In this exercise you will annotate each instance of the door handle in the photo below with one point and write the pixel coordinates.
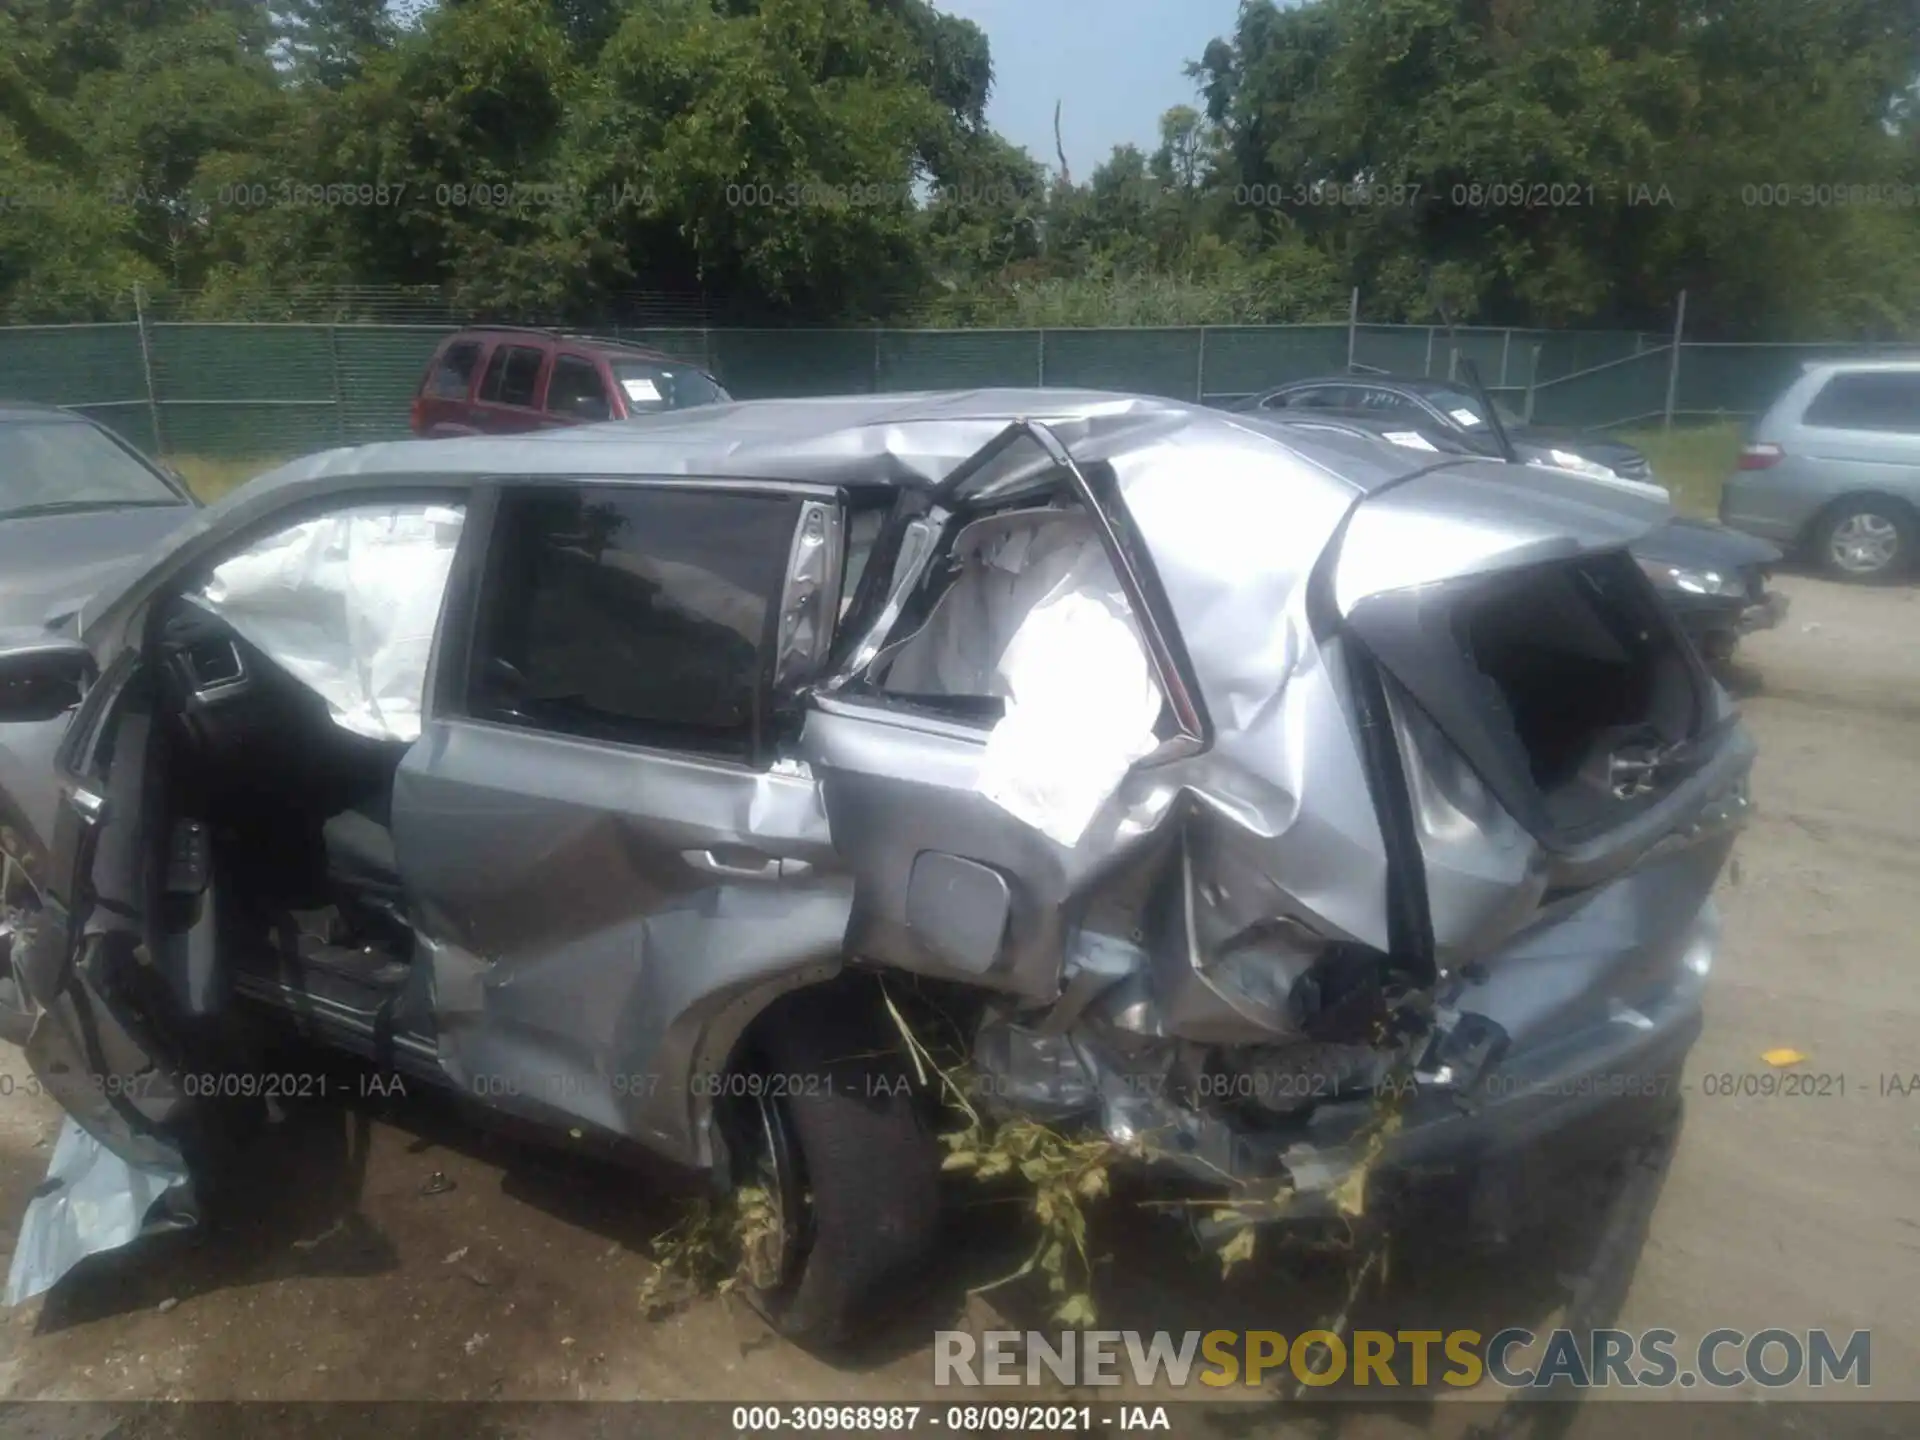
(751, 865)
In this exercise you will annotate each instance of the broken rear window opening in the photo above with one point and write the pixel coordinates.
(1594, 684)
(1026, 628)
(1564, 685)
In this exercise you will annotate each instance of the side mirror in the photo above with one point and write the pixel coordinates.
(42, 680)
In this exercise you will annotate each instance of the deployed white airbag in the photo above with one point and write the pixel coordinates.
(347, 604)
(1038, 617)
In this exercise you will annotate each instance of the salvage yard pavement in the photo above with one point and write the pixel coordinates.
(387, 1250)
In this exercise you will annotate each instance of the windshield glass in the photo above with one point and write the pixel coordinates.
(1467, 410)
(47, 466)
(652, 386)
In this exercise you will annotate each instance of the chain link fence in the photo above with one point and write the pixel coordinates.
(249, 389)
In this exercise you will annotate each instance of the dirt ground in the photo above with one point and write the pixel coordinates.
(342, 1278)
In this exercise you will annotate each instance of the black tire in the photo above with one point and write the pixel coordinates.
(868, 1162)
(1874, 513)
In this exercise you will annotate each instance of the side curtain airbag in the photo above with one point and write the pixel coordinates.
(347, 604)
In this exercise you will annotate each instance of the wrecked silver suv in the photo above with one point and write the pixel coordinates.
(1217, 773)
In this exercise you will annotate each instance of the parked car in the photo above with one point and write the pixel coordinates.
(649, 783)
(1717, 580)
(504, 380)
(1832, 469)
(76, 503)
(1450, 408)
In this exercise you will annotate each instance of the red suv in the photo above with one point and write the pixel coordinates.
(500, 380)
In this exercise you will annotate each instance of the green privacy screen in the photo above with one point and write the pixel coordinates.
(247, 391)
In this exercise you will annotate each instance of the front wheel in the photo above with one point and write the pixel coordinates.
(838, 1150)
(1865, 539)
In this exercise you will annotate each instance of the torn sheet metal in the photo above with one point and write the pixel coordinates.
(91, 1201)
(1038, 618)
(347, 605)
(811, 601)
(594, 915)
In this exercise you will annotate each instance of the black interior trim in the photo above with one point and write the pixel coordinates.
(1409, 911)
(1421, 638)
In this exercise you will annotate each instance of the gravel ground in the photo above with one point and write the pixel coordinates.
(343, 1280)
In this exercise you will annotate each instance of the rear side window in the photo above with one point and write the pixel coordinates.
(452, 374)
(1867, 400)
(575, 389)
(511, 375)
(1319, 397)
(635, 615)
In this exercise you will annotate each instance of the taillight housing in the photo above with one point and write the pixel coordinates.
(419, 411)
(1762, 455)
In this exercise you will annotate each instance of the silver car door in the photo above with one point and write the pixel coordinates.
(609, 867)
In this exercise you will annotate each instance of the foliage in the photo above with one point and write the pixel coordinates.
(710, 1249)
(1065, 1175)
(1692, 461)
(328, 42)
(212, 479)
(1582, 163)
(1527, 162)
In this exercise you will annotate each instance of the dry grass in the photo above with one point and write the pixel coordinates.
(211, 478)
(1692, 461)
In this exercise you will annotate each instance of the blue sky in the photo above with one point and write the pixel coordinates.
(1114, 65)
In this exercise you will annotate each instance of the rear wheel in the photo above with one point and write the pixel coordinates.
(837, 1143)
(1865, 538)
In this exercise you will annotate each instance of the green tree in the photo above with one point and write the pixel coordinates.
(330, 41)
(115, 118)
(1577, 162)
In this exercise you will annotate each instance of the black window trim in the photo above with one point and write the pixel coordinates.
(451, 670)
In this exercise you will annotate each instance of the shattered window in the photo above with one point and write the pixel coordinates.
(633, 615)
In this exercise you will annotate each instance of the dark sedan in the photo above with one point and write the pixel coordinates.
(1713, 578)
(1451, 409)
(76, 504)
